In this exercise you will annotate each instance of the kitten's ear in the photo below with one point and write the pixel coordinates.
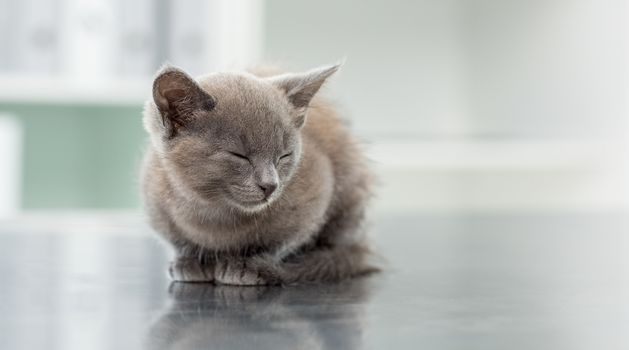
(300, 88)
(178, 97)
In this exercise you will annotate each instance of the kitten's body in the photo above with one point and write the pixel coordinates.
(311, 229)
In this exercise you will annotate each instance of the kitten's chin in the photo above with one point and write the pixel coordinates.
(256, 208)
(250, 207)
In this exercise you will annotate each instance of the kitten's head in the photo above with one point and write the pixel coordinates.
(231, 137)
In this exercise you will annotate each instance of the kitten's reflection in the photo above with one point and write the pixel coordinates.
(306, 317)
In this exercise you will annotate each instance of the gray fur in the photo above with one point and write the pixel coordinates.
(247, 190)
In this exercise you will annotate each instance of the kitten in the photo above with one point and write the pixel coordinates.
(253, 179)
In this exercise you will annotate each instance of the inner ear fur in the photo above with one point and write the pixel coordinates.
(177, 97)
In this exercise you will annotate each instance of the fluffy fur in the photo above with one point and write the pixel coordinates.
(254, 180)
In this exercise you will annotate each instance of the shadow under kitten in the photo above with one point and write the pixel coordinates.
(203, 315)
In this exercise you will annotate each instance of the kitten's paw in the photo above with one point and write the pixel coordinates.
(189, 270)
(237, 272)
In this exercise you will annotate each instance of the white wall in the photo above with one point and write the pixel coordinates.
(479, 68)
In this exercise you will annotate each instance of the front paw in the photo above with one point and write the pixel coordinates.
(238, 272)
(190, 270)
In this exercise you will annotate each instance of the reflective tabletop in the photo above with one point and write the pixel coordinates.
(511, 281)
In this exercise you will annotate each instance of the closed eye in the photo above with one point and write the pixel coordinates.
(238, 155)
(286, 155)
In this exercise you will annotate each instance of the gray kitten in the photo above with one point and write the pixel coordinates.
(253, 179)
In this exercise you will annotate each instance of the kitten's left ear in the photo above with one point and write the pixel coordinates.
(177, 96)
(300, 88)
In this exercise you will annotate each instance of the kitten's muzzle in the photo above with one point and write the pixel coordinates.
(266, 178)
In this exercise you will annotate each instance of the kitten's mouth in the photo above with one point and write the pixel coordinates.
(246, 203)
(254, 203)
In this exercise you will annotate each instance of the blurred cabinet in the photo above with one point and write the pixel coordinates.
(89, 51)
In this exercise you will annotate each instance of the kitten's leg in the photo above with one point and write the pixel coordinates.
(338, 253)
(321, 264)
(190, 269)
(190, 263)
(340, 249)
(195, 265)
(329, 264)
(240, 271)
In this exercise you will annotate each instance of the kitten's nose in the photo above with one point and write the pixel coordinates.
(268, 189)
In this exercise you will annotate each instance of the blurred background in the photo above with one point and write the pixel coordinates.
(464, 105)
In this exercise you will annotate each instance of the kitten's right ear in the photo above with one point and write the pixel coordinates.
(300, 88)
(177, 97)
